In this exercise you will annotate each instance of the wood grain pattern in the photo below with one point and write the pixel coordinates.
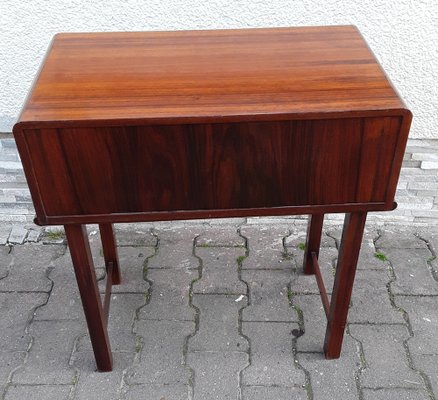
(221, 75)
(124, 170)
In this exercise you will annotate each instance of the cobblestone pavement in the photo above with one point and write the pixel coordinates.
(220, 311)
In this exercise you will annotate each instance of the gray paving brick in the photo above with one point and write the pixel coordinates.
(5, 261)
(136, 236)
(370, 299)
(9, 362)
(315, 322)
(28, 272)
(64, 301)
(385, 355)
(394, 394)
(428, 364)
(120, 323)
(333, 379)
(272, 362)
(423, 317)
(220, 236)
(161, 359)
(412, 272)
(38, 392)
(307, 283)
(297, 239)
(49, 356)
(17, 235)
(399, 238)
(218, 324)
(132, 264)
(157, 392)
(5, 231)
(219, 271)
(170, 295)
(16, 311)
(217, 374)
(265, 244)
(273, 393)
(92, 384)
(175, 249)
(268, 296)
(33, 235)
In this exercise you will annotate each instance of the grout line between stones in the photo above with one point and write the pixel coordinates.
(432, 270)
(124, 386)
(392, 279)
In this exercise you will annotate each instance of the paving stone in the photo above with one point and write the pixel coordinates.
(273, 393)
(221, 236)
(29, 270)
(5, 231)
(16, 311)
(175, 250)
(6, 260)
(297, 239)
(132, 265)
(412, 272)
(39, 392)
(218, 324)
(423, 317)
(315, 322)
(18, 234)
(370, 299)
(428, 364)
(92, 384)
(33, 235)
(306, 284)
(170, 295)
(64, 301)
(265, 245)
(384, 351)
(219, 271)
(135, 235)
(49, 356)
(9, 362)
(157, 392)
(399, 238)
(333, 379)
(268, 295)
(161, 359)
(394, 394)
(217, 374)
(123, 309)
(272, 362)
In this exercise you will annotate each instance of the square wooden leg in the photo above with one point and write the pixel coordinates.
(345, 272)
(110, 251)
(313, 241)
(86, 277)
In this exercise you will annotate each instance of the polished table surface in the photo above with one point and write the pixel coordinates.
(143, 126)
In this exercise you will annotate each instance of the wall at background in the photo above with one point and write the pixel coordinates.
(403, 34)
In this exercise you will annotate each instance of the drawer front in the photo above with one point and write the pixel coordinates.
(137, 169)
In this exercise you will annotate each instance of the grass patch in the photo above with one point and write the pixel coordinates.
(380, 256)
(431, 258)
(55, 235)
(302, 246)
(240, 259)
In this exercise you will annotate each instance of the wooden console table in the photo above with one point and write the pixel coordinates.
(126, 127)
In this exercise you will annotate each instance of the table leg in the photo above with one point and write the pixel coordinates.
(313, 241)
(110, 251)
(345, 271)
(86, 277)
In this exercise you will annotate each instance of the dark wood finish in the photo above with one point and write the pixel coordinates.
(108, 287)
(110, 252)
(86, 277)
(148, 126)
(313, 242)
(320, 282)
(345, 271)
